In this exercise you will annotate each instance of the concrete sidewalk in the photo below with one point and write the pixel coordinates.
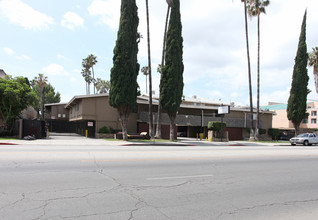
(77, 140)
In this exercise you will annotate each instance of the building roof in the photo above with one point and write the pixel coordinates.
(75, 98)
(53, 104)
(274, 107)
(187, 103)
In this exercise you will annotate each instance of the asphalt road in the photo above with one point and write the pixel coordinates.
(158, 182)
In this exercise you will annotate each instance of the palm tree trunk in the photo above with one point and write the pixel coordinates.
(93, 79)
(158, 132)
(146, 85)
(316, 76)
(150, 79)
(258, 76)
(249, 74)
(41, 103)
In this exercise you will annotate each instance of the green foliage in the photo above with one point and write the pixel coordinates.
(216, 125)
(296, 109)
(262, 131)
(123, 78)
(102, 86)
(88, 68)
(274, 132)
(15, 96)
(49, 96)
(104, 130)
(171, 84)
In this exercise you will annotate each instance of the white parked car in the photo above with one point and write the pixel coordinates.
(305, 139)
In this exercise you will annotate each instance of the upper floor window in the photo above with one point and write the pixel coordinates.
(314, 113)
(313, 121)
(305, 121)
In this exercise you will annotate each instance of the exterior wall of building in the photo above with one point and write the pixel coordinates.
(75, 112)
(312, 120)
(281, 121)
(189, 119)
(236, 121)
(56, 112)
(98, 109)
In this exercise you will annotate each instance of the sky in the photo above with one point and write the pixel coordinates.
(53, 36)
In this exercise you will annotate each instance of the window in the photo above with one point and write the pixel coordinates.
(313, 121)
(64, 115)
(305, 121)
(58, 115)
(314, 113)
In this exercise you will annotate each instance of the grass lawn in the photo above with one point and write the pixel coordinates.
(151, 140)
(142, 140)
(274, 142)
(8, 138)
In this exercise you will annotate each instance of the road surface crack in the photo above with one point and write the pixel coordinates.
(140, 203)
(13, 203)
(288, 203)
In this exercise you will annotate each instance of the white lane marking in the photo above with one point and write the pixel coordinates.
(179, 177)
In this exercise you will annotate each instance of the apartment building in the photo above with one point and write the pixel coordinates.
(281, 121)
(192, 118)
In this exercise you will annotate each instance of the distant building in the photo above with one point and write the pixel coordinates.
(281, 121)
(2, 74)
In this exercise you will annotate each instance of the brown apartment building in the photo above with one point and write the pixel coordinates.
(193, 116)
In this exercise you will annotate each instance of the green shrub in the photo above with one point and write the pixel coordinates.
(262, 131)
(274, 132)
(104, 130)
(216, 125)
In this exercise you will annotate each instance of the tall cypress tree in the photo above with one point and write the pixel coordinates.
(123, 78)
(297, 102)
(171, 83)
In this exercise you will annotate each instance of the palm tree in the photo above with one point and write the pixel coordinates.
(255, 8)
(41, 81)
(86, 73)
(158, 131)
(92, 60)
(102, 86)
(149, 73)
(313, 61)
(88, 65)
(249, 72)
(144, 70)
